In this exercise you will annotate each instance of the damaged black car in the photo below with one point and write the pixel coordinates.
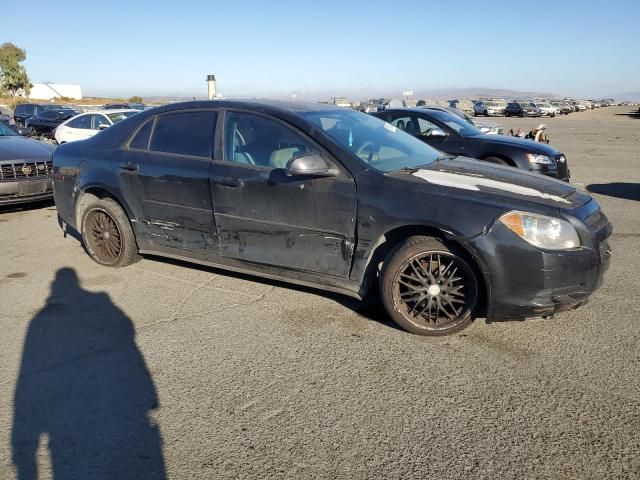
(335, 199)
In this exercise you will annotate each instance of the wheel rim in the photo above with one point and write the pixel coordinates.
(103, 236)
(435, 290)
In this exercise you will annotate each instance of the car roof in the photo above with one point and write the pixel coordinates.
(292, 107)
(114, 110)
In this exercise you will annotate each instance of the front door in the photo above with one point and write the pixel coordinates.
(164, 174)
(422, 128)
(264, 216)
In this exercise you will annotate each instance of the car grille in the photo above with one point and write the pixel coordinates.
(21, 170)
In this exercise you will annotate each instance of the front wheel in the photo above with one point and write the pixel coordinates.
(428, 288)
(107, 234)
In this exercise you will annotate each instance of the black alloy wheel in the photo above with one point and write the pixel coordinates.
(107, 234)
(103, 236)
(433, 290)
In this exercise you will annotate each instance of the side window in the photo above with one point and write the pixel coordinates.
(83, 121)
(185, 133)
(48, 115)
(255, 140)
(400, 121)
(141, 140)
(426, 127)
(97, 120)
(29, 110)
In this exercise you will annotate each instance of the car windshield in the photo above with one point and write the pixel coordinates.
(463, 127)
(5, 131)
(116, 117)
(379, 144)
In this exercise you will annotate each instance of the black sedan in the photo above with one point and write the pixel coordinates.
(46, 122)
(338, 200)
(25, 168)
(453, 135)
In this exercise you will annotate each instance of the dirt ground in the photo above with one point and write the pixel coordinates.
(161, 370)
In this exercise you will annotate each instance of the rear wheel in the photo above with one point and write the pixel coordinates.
(107, 234)
(428, 288)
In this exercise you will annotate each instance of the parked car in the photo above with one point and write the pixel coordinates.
(23, 111)
(45, 122)
(336, 199)
(487, 108)
(546, 109)
(485, 126)
(453, 135)
(563, 107)
(88, 124)
(25, 168)
(521, 109)
(125, 106)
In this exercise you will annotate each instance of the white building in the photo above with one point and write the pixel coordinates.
(49, 91)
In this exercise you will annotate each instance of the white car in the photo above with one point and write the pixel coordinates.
(547, 109)
(487, 108)
(86, 125)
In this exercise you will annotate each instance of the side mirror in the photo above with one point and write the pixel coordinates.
(102, 126)
(311, 165)
(437, 132)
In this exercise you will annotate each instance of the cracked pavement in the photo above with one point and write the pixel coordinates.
(200, 374)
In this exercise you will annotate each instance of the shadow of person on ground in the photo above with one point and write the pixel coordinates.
(85, 387)
(628, 191)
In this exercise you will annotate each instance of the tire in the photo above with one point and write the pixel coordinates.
(418, 276)
(507, 114)
(486, 114)
(497, 161)
(521, 114)
(103, 220)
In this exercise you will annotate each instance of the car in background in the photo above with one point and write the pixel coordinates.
(485, 126)
(124, 106)
(522, 109)
(23, 111)
(25, 168)
(86, 125)
(455, 136)
(488, 108)
(46, 121)
(563, 107)
(546, 108)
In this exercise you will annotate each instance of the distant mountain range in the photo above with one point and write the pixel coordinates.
(626, 97)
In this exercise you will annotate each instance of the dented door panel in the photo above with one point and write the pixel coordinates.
(301, 223)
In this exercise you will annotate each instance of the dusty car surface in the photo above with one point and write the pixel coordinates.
(25, 168)
(335, 199)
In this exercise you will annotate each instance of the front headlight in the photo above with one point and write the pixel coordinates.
(541, 231)
(539, 159)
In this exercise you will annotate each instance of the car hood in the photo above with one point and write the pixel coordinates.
(19, 148)
(472, 175)
(523, 144)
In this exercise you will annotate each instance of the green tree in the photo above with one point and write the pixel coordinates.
(13, 76)
(135, 99)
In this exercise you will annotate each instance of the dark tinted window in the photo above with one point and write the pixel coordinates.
(184, 133)
(83, 121)
(141, 140)
(98, 120)
(48, 115)
(26, 109)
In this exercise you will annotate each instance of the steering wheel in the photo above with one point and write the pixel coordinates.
(368, 144)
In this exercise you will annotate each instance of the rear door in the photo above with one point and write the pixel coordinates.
(264, 216)
(164, 173)
(421, 127)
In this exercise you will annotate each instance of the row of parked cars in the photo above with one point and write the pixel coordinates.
(415, 205)
(528, 108)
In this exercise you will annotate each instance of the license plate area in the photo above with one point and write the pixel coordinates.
(32, 187)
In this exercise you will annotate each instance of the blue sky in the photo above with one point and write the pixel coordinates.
(321, 48)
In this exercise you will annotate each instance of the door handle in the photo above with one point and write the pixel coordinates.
(132, 167)
(227, 181)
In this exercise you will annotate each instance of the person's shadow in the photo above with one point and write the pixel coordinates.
(84, 385)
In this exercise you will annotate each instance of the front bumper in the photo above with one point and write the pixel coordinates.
(525, 282)
(23, 191)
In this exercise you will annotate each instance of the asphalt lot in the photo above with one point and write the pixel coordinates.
(160, 370)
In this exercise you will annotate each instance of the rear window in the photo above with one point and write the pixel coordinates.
(184, 133)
